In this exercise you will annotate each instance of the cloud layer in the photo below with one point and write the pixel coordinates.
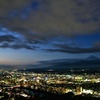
(52, 17)
(41, 20)
(75, 50)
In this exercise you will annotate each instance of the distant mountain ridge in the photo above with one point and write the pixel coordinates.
(89, 62)
(62, 64)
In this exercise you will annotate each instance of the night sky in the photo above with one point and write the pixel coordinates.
(39, 30)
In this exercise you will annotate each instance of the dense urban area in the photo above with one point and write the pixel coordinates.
(15, 85)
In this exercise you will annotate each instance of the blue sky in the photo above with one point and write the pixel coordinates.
(35, 30)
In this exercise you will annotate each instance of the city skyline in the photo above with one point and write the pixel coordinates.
(40, 30)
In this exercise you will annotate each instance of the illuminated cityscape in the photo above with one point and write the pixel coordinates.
(26, 84)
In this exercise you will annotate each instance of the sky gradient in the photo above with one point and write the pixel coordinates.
(37, 30)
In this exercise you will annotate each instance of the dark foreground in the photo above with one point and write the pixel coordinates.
(49, 96)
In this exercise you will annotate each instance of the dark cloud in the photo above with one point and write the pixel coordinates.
(17, 46)
(40, 20)
(7, 38)
(97, 44)
(11, 41)
(75, 50)
(53, 17)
